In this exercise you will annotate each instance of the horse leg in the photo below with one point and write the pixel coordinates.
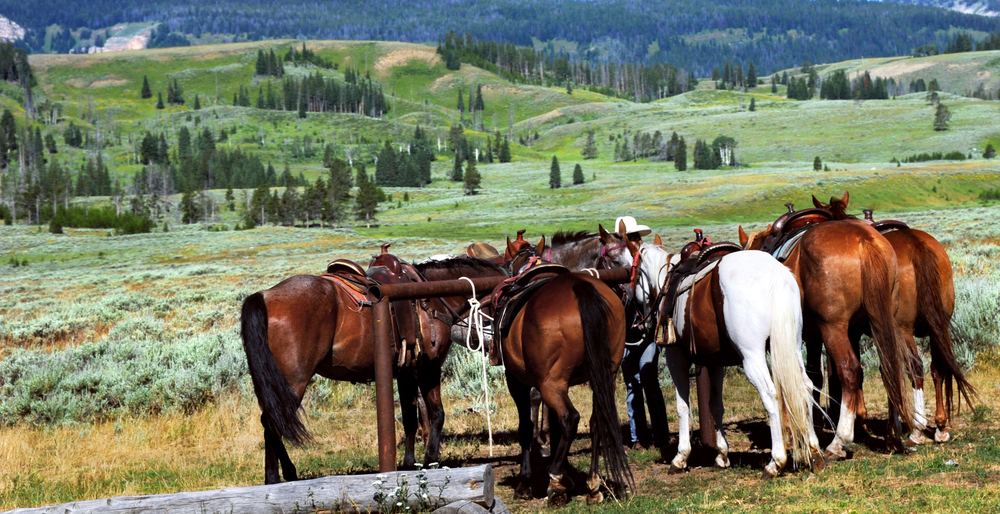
(757, 373)
(556, 396)
(521, 394)
(848, 370)
(717, 375)
(679, 367)
(917, 380)
(540, 436)
(860, 410)
(941, 434)
(406, 383)
(275, 453)
(430, 388)
(814, 372)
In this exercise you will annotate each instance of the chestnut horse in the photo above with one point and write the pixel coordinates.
(571, 331)
(847, 276)
(926, 304)
(745, 305)
(308, 325)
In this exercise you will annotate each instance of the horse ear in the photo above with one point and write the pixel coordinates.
(605, 235)
(744, 238)
(541, 246)
(768, 227)
(633, 247)
(846, 199)
(622, 229)
(817, 203)
(508, 254)
(657, 241)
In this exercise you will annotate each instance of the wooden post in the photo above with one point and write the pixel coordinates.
(384, 406)
(348, 494)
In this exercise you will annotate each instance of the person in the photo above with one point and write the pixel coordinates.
(640, 369)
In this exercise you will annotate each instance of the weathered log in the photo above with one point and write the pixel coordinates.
(336, 494)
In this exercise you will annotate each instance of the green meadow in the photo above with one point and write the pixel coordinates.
(128, 346)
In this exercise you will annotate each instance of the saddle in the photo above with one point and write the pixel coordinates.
(351, 277)
(698, 259)
(789, 228)
(484, 251)
(386, 268)
(884, 226)
(510, 296)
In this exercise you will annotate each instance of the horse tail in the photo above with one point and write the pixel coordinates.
(938, 319)
(787, 371)
(605, 427)
(279, 404)
(895, 358)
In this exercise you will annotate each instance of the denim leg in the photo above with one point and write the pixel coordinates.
(634, 401)
(649, 379)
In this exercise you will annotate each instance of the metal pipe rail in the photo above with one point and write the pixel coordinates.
(380, 297)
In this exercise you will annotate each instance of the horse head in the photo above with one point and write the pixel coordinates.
(837, 206)
(755, 240)
(519, 252)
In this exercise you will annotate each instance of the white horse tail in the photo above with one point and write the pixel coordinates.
(793, 395)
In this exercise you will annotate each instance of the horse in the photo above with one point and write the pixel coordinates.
(743, 303)
(307, 325)
(847, 277)
(569, 332)
(926, 304)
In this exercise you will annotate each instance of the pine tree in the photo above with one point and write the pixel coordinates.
(159, 101)
(197, 103)
(456, 172)
(590, 147)
(461, 106)
(505, 151)
(817, 164)
(366, 203)
(990, 152)
(577, 175)
(774, 83)
(472, 178)
(680, 155)
(941, 117)
(146, 92)
(555, 179)
(753, 104)
(751, 76)
(480, 106)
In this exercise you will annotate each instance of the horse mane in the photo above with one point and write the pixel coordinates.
(566, 237)
(457, 262)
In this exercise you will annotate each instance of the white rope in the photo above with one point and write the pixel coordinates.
(592, 272)
(476, 323)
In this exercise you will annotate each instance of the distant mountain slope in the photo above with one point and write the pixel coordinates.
(980, 7)
(691, 34)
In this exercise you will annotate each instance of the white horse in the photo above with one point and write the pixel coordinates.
(760, 308)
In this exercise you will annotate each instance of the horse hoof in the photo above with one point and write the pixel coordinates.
(558, 498)
(942, 436)
(770, 471)
(832, 457)
(818, 461)
(675, 470)
(722, 461)
(595, 498)
(523, 492)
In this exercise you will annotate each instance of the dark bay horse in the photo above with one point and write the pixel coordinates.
(847, 275)
(926, 304)
(571, 331)
(308, 325)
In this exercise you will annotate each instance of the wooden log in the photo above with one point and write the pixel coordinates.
(329, 495)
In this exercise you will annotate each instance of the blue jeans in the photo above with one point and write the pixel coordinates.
(639, 368)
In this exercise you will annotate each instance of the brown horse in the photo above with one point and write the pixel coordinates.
(926, 304)
(847, 276)
(308, 325)
(569, 332)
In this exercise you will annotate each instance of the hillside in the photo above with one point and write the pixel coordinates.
(689, 34)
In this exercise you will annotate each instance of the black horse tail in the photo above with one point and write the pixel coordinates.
(938, 322)
(895, 357)
(604, 424)
(278, 402)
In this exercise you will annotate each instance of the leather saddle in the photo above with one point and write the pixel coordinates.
(511, 296)
(698, 259)
(884, 226)
(789, 228)
(386, 268)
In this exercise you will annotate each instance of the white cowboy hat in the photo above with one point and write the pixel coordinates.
(631, 227)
